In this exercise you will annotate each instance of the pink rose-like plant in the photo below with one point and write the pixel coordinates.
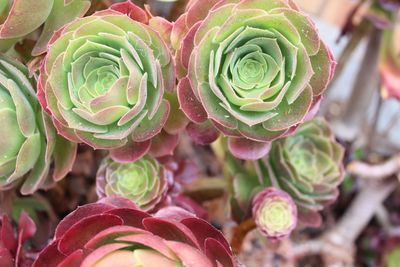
(114, 232)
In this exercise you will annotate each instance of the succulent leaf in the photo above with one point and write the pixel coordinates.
(26, 16)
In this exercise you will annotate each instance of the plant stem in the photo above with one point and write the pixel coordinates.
(359, 33)
(372, 129)
(364, 90)
(361, 211)
(239, 234)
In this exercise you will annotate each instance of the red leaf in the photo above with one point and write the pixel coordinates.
(132, 10)
(130, 152)
(79, 214)
(202, 134)
(81, 232)
(247, 149)
(130, 217)
(7, 236)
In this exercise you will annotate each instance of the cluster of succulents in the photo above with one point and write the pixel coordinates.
(249, 72)
(304, 170)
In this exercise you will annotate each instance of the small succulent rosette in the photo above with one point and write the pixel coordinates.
(308, 166)
(389, 64)
(254, 70)
(150, 183)
(275, 213)
(12, 243)
(20, 18)
(103, 81)
(28, 141)
(115, 233)
(145, 182)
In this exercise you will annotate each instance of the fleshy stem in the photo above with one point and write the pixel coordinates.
(359, 33)
(363, 91)
(239, 234)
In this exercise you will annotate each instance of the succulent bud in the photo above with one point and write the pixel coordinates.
(275, 213)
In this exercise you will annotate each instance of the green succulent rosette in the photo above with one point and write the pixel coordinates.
(307, 165)
(22, 17)
(253, 69)
(103, 81)
(28, 142)
(145, 182)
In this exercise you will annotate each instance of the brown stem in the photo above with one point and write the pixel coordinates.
(239, 234)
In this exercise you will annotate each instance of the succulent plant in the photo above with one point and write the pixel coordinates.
(28, 142)
(114, 233)
(12, 249)
(253, 69)
(150, 183)
(146, 182)
(21, 18)
(275, 213)
(103, 81)
(389, 65)
(308, 166)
